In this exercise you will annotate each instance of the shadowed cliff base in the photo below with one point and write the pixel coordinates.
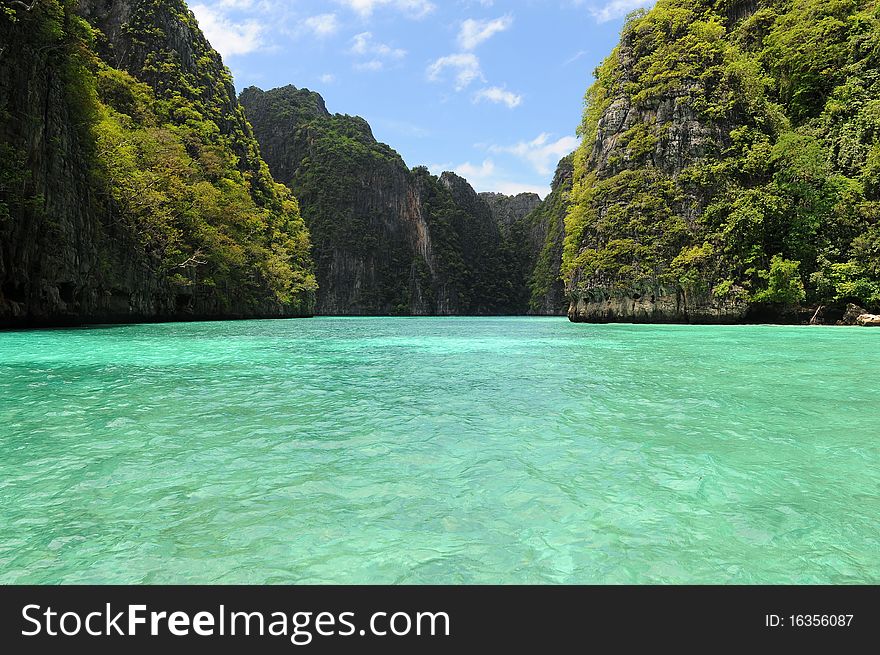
(675, 309)
(111, 320)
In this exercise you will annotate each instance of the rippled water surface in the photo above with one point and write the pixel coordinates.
(439, 451)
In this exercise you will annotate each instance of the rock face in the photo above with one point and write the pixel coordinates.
(701, 190)
(856, 315)
(372, 243)
(534, 231)
(545, 238)
(852, 315)
(508, 210)
(46, 264)
(672, 307)
(387, 239)
(634, 153)
(70, 250)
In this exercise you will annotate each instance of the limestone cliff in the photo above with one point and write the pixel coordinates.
(545, 235)
(372, 244)
(508, 210)
(726, 167)
(533, 231)
(117, 126)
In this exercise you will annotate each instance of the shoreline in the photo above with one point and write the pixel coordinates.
(72, 324)
(64, 323)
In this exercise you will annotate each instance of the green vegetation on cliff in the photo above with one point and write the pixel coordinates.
(547, 223)
(731, 151)
(476, 271)
(181, 190)
(172, 183)
(349, 186)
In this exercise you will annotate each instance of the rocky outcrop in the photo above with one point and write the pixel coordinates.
(479, 233)
(852, 314)
(738, 10)
(533, 231)
(69, 254)
(856, 315)
(508, 210)
(372, 244)
(701, 189)
(160, 43)
(387, 240)
(641, 146)
(50, 242)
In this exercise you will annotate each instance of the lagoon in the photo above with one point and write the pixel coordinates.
(439, 450)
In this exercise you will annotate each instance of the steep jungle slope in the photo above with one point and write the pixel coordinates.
(131, 187)
(544, 231)
(730, 165)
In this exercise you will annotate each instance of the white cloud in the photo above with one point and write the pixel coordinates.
(236, 4)
(229, 37)
(617, 9)
(498, 95)
(410, 8)
(575, 57)
(474, 32)
(371, 66)
(541, 153)
(373, 54)
(476, 173)
(486, 176)
(327, 78)
(511, 188)
(466, 67)
(364, 44)
(322, 25)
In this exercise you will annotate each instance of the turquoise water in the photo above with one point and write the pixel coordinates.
(439, 451)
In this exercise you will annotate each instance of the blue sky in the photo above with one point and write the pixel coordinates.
(491, 89)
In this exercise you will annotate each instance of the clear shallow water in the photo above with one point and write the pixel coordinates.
(439, 451)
